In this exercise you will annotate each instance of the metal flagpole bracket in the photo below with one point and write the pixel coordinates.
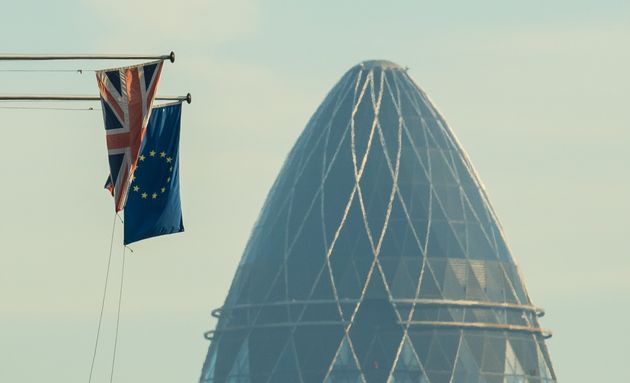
(57, 97)
(47, 57)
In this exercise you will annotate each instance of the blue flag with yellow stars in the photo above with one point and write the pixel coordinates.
(153, 206)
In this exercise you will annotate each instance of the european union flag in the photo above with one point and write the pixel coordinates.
(153, 206)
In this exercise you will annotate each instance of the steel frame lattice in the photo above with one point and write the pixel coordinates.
(377, 257)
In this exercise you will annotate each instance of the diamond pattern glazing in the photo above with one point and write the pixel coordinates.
(377, 257)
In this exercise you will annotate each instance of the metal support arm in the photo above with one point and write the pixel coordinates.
(48, 57)
(55, 97)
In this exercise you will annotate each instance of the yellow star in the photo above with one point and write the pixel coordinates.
(133, 178)
(170, 169)
(163, 189)
(163, 154)
(136, 188)
(141, 158)
(144, 195)
(154, 195)
(168, 179)
(152, 153)
(169, 159)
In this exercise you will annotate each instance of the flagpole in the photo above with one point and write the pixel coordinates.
(45, 57)
(57, 97)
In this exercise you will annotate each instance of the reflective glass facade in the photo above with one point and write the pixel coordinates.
(377, 257)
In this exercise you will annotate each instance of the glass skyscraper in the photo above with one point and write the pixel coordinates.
(377, 257)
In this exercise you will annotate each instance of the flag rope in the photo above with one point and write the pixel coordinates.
(100, 317)
(120, 294)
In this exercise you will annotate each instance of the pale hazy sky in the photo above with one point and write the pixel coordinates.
(536, 91)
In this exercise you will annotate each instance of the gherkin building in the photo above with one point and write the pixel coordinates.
(377, 257)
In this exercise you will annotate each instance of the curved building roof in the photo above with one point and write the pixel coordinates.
(377, 257)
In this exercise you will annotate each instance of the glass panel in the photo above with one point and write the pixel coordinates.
(316, 346)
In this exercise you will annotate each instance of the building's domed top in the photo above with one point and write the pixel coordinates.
(377, 257)
(382, 64)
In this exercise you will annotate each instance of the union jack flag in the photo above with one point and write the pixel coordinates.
(126, 96)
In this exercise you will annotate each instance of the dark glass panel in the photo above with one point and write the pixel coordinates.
(429, 287)
(316, 347)
(493, 354)
(229, 344)
(321, 312)
(353, 250)
(265, 347)
(286, 369)
(376, 335)
(306, 259)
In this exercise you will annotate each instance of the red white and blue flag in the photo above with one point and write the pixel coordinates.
(127, 95)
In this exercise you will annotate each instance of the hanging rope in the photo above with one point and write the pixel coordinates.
(120, 294)
(100, 317)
